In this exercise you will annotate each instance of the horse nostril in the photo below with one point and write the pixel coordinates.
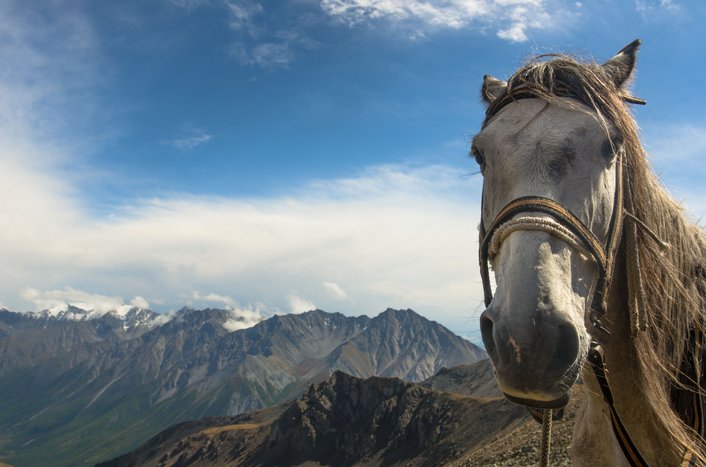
(567, 348)
(486, 332)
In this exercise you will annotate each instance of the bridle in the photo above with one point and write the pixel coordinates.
(568, 228)
(563, 224)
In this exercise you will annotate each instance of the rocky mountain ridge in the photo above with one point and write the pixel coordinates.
(343, 421)
(346, 421)
(70, 384)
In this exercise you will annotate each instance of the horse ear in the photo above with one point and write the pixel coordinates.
(620, 68)
(492, 87)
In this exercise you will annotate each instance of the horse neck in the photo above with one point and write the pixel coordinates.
(639, 416)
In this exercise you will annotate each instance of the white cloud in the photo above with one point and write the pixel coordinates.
(243, 318)
(43, 300)
(140, 302)
(213, 298)
(512, 18)
(192, 137)
(391, 236)
(298, 304)
(335, 290)
(515, 33)
(98, 305)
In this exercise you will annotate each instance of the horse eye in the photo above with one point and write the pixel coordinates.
(480, 159)
(610, 147)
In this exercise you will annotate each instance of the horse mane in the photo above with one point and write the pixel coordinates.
(675, 279)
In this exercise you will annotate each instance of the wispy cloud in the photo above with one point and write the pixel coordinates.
(242, 16)
(191, 138)
(243, 318)
(677, 152)
(298, 304)
(678, 143)
(655, 9)
(210, 298)
(42, 76)
(387, 236)
(256, 45)
(391, 236)
(140, 302)
(190, 4)
(335, 290)
(511, 19)
(263, 38)
(258, 39)
(265, 55)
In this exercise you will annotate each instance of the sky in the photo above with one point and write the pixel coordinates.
(280, 156)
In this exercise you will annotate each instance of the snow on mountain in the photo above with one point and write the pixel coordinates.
(131, 316)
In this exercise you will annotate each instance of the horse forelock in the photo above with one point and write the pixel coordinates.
(674, 280)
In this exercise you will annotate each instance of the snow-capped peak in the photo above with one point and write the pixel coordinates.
(130, 315)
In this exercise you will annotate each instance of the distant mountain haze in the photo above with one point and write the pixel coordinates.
(79, 386)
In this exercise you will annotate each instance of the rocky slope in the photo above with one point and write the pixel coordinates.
(348, 421)
(68, 384)
(343, 421)
(477, 379)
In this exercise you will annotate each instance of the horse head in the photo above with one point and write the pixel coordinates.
(543, 139)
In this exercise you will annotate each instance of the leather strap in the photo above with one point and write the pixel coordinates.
(631, 452)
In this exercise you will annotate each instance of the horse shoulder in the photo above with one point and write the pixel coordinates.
(593, 442)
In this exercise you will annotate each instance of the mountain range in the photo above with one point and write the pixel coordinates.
(79, 386)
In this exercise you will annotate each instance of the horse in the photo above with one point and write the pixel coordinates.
(600, 276)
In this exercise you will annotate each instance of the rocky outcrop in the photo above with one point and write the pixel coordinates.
(477, 379)
(343, 421)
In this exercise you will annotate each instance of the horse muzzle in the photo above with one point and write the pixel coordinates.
(536, 361)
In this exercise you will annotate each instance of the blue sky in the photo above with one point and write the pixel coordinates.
(276, 156)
